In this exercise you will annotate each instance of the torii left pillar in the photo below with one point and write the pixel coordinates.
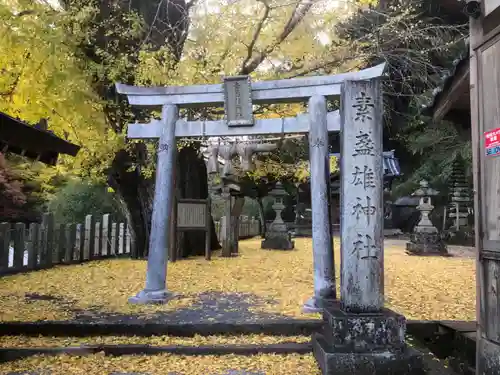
(155, 290)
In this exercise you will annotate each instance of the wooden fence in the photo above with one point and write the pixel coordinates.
(248, 228)
(45, 245)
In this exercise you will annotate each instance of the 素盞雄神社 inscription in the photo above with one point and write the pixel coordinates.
(362, 230)
(238, 101)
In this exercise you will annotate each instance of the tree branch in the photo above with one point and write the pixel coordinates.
(256, 33)
(14, 85)
(297, 16)
(160, 3)
(191, 4)
(323, 65)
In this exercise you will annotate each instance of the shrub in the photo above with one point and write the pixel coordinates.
(80, 198)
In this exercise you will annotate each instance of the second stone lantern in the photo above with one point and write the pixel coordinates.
(425, 239)
(277, 235)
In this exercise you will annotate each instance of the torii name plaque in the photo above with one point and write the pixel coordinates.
(238, 106)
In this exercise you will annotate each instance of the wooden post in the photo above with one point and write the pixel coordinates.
(80, 238)
(235, 223)
(33, 246)
(121, 236)
(156, 276)
(70, 237)
(128, 246)
(19, 248)
(131, 236)
(236, 234)
(4, 245)
(484, 46)
(208, 233)
(48, 240)
(217, 229)
(106, 231)
(226, 223)
(114, 239)
(97, 240)
(89, 237)
(61, 243)
(323, 259)
(362, 288)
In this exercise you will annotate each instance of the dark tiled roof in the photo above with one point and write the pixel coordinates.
(391, 163)
(458, 66)
(20, 138)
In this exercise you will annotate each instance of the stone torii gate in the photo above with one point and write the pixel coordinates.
(360, 336)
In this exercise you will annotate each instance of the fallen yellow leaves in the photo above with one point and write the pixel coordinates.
(419, 287)
(43, 341)
(430, 288)
(292, 364)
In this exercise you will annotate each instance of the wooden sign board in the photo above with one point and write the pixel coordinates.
(192, 214)
(238, 105)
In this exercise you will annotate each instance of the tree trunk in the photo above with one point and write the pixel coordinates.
(137, 194)
(165, 23)
(263, 227)
(239, 202)
(192, 182)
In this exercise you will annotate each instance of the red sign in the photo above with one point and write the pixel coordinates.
(492, 138)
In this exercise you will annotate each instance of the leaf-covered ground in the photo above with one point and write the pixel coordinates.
(47, 341)
(269, 283)
(166, 365)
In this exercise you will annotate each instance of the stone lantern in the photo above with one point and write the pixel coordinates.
(425, 239)
(277, 236)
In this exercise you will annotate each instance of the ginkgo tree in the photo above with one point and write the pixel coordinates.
(263, 38)
(42, 78)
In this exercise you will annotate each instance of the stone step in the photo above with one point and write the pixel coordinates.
(377, 362)
(261, 364)
(273, 327)
(228, 372)
(11, 354)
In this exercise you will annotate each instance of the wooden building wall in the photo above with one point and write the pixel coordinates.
(485, 118)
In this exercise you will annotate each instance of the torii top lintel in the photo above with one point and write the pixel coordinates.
(263, 92)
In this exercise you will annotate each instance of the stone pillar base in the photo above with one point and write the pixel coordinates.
(368, 343)
(405, 362)
(426, 244)
(489, 358)
(151, 297)
(278, 243)
(316, 305)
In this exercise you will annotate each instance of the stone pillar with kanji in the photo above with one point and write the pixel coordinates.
(360, 335)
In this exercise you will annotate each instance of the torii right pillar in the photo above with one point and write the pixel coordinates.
(360, 336)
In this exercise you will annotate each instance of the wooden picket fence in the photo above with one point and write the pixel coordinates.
(248, 228)
(45, 245)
